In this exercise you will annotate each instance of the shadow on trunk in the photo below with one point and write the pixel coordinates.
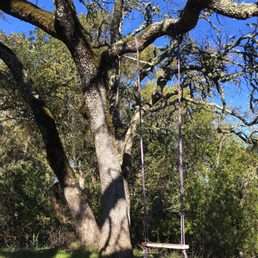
(111, 196)
(114, 222)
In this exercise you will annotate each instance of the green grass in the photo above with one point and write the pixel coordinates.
(79, 253)
(46, 253)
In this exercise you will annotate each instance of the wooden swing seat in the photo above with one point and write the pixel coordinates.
(166, 246)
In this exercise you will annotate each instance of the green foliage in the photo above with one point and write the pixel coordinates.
(222, 204)
(26, 215)
(221, 174)
(221, 188)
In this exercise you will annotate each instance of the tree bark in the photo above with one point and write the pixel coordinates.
(114, 223)
(114, 237)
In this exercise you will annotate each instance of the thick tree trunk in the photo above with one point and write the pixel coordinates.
(114, 224)
(114, 238)
(115, 235)
(84, 220)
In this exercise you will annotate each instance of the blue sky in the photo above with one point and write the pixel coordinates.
(201, 33)
(9, 24)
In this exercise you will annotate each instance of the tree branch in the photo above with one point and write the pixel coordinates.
(57, 202)
(130, 133)
(67, 22)
(223, 109)
(233, 9)
(116, 21)
(188, 20)
(43, 118)
(171, 27)
(31, 13)
(250, 138)
(73, 35)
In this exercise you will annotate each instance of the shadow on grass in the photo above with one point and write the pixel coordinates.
(47, 253)
(81, 253)
(29, 253)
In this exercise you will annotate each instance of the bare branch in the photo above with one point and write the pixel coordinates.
(187, 21)
(215, 107)
(170, 27)
(31, 13)
(131, 133)
(233, 9)
(250, 138)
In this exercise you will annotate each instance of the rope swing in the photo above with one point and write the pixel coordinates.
(182, 246)
(180, 155)
(138, 87)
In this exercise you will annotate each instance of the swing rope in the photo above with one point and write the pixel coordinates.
(180, 168)
(180, 153)
(138, 87)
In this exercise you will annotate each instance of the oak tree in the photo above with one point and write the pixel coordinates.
(97, 59)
